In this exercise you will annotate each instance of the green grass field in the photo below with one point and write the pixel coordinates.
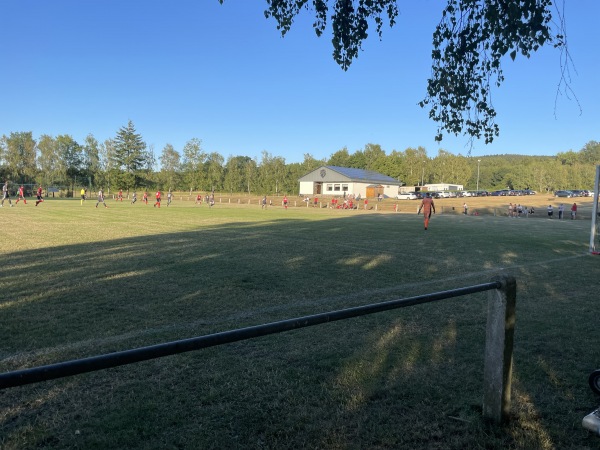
(77, 281)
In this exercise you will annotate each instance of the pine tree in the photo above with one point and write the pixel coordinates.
(129, 154)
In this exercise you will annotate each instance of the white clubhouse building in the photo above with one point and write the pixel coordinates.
(343, 181)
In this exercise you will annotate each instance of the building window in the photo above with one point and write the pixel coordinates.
(330, 187)
(336, 187)
(345, 187)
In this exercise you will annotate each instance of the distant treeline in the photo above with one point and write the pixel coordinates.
(126, 162)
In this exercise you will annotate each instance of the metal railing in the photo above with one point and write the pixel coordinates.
(498, 359)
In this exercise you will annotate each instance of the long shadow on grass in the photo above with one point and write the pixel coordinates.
(409, 378)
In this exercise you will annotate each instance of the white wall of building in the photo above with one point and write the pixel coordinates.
(306, 188)
(390, 191)
(349, 188)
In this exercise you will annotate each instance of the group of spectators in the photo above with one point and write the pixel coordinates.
(518, 210)
(561, 211)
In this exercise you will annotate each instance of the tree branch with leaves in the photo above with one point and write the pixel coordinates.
(469, 43)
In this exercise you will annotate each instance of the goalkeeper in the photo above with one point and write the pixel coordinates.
(427, 206)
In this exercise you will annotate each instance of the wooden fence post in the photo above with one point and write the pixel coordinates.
(497, 371)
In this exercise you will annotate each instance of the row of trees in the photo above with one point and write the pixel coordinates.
(126, 162)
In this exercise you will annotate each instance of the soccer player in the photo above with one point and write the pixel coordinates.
(285, 201)
(157, 198)
(199, 199)
(134, 198)
(169, 197)
(5, 195)
(574, 211)
(101, 198)
(427, 206)
(40, 199)
(120, 195)
(82, 196)
(145, 197)
(21, 195)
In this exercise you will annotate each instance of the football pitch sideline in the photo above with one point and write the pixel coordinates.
(79, 281)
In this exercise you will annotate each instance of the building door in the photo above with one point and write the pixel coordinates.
(318, 188)
(374, 191)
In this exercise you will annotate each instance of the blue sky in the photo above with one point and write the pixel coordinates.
(223, 74)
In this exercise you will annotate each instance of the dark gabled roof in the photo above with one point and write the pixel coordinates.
(369, 176)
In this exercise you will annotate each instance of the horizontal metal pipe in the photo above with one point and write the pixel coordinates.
(94, 363)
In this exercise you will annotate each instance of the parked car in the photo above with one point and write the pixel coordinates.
(528, 192)
(567, 194)
(406, 196)
(578, 192)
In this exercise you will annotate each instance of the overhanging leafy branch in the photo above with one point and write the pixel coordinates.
(468, 46)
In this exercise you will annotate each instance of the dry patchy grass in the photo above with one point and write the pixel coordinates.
(79, 281)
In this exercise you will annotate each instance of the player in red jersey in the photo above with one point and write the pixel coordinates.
(21, 195)
(145, 197)
(157, 198)
(40, 199)
(120, 195)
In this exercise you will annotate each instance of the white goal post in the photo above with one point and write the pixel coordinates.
(593, 232)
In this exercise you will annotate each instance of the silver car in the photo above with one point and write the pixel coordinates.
(406, 196)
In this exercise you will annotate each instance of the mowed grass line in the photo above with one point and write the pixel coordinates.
(80, 281)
